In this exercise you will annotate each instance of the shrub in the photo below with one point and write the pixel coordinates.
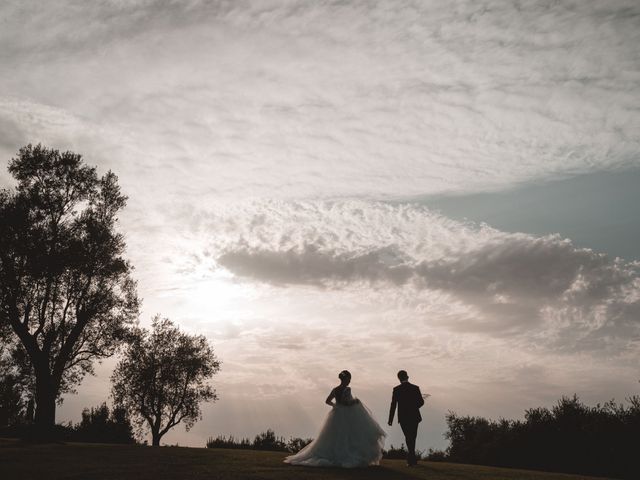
(436, 455)
(100, 425)
(570, 437)
(263, 441)
(399, 453)
(229, 442)
(268, 441)
(295, 444)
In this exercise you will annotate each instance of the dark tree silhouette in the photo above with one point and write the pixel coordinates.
(263, 441)
(102, 425)
(162, 377)
(570, 437)
(295, 444)
(269, 441)
(66, 293)
(12, 404)
(16, 385)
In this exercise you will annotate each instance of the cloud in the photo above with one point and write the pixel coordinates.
(295, 99)
(314, 267)
(517, 284)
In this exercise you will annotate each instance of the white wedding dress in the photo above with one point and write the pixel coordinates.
(350, 437)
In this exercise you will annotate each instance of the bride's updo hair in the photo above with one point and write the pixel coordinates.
(344, 374)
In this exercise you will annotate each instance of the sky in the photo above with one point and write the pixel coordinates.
(449, 188)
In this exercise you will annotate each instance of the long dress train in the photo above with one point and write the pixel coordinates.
(350, 437)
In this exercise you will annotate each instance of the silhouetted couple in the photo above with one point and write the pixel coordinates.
(351, 437)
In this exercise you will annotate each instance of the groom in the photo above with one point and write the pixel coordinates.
(408, 399)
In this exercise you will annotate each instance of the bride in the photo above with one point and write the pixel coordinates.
(350, 437)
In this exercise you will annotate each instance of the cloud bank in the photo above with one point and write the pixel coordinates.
(545, 288)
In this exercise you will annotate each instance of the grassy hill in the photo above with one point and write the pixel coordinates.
(101, 462)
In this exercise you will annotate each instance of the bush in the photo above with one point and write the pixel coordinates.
(571, 437)
(31, 433)
(230, 442)
(99, 425)
(13, 407)
(436, 455)
(295, 444)
(263, 441)
(268, 441)
(399, 453)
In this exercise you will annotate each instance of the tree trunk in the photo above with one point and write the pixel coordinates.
(155, 438)
(30, 410)
(45, 408)
(45, 415)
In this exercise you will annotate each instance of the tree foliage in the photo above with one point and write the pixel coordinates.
(570, 437)
(163, 377)
(16, 385)
(66, 294)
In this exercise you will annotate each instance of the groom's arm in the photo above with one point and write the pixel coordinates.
(420, 398)
(392, 410)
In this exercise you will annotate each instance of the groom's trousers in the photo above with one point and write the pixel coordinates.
(410, 430)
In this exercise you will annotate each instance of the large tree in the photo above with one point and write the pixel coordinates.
(66, 294)
(163, 376)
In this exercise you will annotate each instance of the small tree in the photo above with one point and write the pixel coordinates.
(66, 296)
(162, 377)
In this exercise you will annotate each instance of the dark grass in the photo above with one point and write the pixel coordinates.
(21, 461)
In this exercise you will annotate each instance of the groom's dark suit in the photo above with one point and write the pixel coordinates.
(408, 399)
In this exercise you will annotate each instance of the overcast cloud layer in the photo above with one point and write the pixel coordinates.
(261, 144)
(326, 98)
